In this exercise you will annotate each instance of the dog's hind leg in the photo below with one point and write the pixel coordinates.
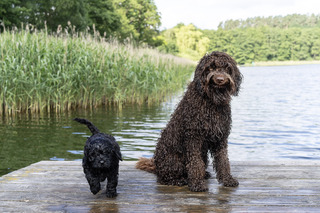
(222, 167)
(171, 170)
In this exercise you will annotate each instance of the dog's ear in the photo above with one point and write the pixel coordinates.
(236, 75)
(199, 87)
(85, 162)
(116, 150)
(88, 154)
(118, 154)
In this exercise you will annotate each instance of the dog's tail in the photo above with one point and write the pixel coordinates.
(92, 127)
(146, 164)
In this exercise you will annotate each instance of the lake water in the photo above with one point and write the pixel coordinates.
(275, 117)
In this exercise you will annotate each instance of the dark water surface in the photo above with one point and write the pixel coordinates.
(275, 117)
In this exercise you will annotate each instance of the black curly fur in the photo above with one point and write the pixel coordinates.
(101, 160)
(200, 123)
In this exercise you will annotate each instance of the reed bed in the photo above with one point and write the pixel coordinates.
(44, 73)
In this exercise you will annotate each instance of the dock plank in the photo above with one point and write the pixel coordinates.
(60, 186)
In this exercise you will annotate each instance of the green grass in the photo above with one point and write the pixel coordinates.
(40, 72)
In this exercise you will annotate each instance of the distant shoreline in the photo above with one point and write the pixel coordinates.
(279, 63)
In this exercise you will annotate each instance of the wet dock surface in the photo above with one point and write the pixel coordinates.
(60, 186)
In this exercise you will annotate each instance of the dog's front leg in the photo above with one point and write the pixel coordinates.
(222, 167)
(112, 184)
(94, 182)
(196, 168)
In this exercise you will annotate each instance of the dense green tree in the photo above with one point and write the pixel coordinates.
(64, 11)
(103, 15)
(136, 19)
(140, 20)
(169, 44)
(315, 50)
(147, 21)
(315, 44)
(283, 22)
(292, 37)
(258, 39)
(186, 41)
(10, 13)
(41, 12)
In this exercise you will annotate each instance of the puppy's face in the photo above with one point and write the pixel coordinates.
(218, 76)
(99, 155)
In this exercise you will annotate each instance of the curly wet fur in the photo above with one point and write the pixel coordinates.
(200, 124)
(101, 160)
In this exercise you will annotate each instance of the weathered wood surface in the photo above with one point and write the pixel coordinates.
(60, 186)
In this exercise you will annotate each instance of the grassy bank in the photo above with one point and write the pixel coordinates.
(39, 72)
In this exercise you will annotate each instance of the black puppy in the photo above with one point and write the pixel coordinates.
(101, 160)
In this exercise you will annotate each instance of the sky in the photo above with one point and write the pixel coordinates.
(207, 14)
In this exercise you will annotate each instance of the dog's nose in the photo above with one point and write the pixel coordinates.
(220, 79)
(102, 161)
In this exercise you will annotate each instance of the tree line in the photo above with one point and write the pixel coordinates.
(288, 21)
(255, 39)
(138, 20)
(275, 38)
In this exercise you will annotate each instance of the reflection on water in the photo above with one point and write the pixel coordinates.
(276, 116)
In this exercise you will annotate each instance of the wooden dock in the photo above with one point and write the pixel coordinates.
(60, 186)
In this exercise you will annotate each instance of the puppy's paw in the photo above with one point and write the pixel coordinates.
(95, 189)
(231, 182)
(111, 194)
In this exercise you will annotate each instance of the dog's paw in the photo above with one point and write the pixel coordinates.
(111, 194)
(179, 182)
(231, 182)
(198, 187)
(95, 189)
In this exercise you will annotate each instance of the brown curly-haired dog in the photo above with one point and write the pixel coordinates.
(200, 123)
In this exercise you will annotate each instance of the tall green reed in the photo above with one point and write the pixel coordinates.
(44, 73)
